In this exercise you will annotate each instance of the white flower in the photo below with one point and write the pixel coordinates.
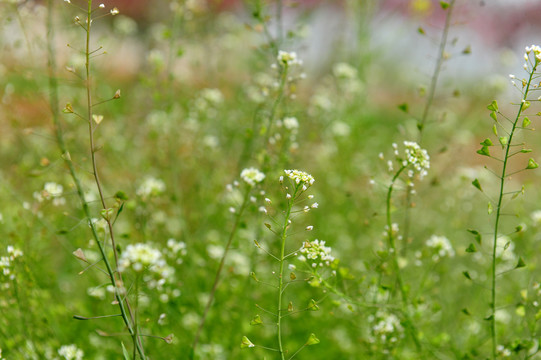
(252, 176)
(151, 187)
(300, 176)
(536, 217)
(114, 11)
(344, 71)
(417, 157)
(317, 253)
(142, 257)
(71, 352)
(291, 123)
(288, 58)
(441, 245)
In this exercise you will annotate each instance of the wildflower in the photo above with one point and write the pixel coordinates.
(441, 245)
(102, 6)
(291, 123)
(417, 157)
(300, 176)
(71, 352)
(151, 187)
(114, 11)
(536, 217)
(387, 327)
(288, 58)
(252, 176)
(140, 257)
(344, 71)
(317, 253)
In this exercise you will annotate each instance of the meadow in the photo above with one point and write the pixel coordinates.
(266, 179)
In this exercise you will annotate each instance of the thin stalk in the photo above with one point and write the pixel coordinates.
(219, 272)
(429, 101)
(53, 100)
(281, 273)
(437, 69)
(498, 215)
(281, 90)
(394, 258)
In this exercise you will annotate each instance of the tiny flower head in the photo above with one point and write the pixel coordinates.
(252, 176)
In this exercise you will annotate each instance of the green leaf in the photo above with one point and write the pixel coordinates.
(404, 107)
(490, 209)
(256, 320)
(312, 340)
(487, 142)
(444, 5)
(477, 184)
(494, 116)
(493, 106)
(484, 151)
(246, 343)
(538, 315)
(526, 122)
(467, 275)
(520, 263)
(476, 234)
(125, 352)
(532, 164)
(471, 249)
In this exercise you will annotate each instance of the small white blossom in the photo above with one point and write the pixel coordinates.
(288, 58)
(317, 253)
(151, 187)
(300, 176)
(441, 245)
(252, 176)
(71, 352)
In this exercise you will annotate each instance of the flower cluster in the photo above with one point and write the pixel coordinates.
(316, 253)
(299, 176)
(536, 52)
(288, 58)
(143, 256)
(176, 249)
(252, 176)
(417, 157)
(151, 187)
(51, 191)
(441, 245)
(71, 352)
(6, 262)
(387, 327)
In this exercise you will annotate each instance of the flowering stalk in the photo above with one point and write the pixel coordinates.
(414, 159)
(123, 303)
(251, 176)
(301, 180)
(507, 143)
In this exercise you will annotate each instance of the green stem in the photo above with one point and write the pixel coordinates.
(53, 99)
(394, 258)
(219, 272)
(498, 214)
(281, 273)
(281, 89)
(437, 70)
